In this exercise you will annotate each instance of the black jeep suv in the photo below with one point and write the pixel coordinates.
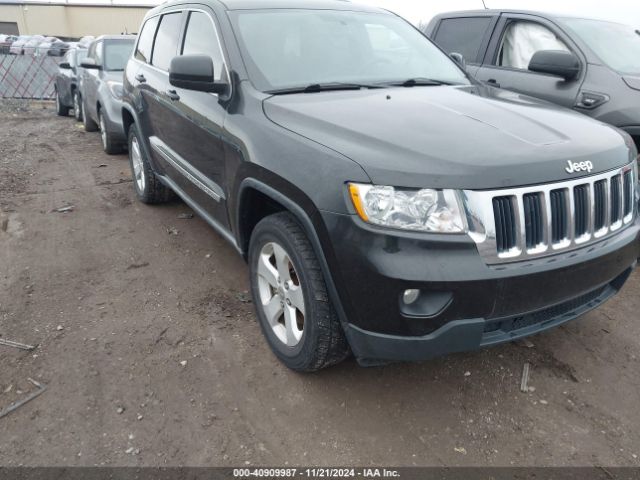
(387, 204)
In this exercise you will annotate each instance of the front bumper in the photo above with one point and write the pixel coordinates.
(469, 304)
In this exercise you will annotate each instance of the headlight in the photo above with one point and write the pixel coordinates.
(116, 89)
(426, 210)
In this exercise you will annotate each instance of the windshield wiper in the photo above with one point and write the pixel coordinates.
(323, 87)
(421, 82)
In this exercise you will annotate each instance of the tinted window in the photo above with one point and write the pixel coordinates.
(463, 35)
(166, 44)
(117, 53)
(285, 48)
(145, 42)
(201, 39)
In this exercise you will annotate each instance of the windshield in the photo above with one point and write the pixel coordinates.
(617, 45)
(294, 48)
(117, 53)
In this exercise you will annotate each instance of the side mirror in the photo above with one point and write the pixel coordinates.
(90, 64)
(195, 72)
(64, 65)
(459, 59)
(556, 62)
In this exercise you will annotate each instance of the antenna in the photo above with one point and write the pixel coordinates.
(484, 5)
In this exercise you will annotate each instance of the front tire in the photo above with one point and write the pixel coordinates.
(109, 145)
(148, 188)
(290, 294)
(61, 110)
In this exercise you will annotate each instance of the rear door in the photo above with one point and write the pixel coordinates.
(158, 44)
(516, 38)
(136, 74)
(193, 143)
(467, 35)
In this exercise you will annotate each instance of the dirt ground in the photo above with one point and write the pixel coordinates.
(152, 355)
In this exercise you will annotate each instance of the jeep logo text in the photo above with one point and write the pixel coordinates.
(579, 167)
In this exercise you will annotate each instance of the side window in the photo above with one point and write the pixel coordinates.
(201, 39)
(98, 53)
(92, 50)
(145, 41)
(69, 58)
(463, 35)
(521, 40)
(166, 44)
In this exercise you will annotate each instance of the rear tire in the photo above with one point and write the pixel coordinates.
(61, 110)
(290, 295)
(149, 189)
(77, 105)
(89, 124)
(109, 145)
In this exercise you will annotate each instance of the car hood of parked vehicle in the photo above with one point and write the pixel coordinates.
(469, 137)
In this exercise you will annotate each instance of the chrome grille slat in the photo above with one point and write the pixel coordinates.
(557, 206)
(582, 211)
(538, 221)
(628, 193)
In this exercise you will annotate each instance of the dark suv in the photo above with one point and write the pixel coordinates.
(590, 65)
(386, 203)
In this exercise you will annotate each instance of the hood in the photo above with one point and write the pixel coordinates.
(470, 137)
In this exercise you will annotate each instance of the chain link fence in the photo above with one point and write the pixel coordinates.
(28, 76)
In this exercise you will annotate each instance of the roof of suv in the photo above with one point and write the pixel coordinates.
(498, 11)
(293, 4)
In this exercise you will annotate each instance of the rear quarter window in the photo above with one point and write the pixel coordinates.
(463, 35)
(166, 43)
(145, 41)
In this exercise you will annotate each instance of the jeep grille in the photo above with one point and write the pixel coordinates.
(529, 222)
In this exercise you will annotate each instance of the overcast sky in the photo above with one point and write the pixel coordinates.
(625, 11)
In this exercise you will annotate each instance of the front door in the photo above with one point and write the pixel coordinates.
(516, 39)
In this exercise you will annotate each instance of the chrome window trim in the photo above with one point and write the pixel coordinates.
(482, 227)
(187, 170)
(181, 46)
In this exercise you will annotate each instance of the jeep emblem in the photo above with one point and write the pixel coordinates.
(579, 167)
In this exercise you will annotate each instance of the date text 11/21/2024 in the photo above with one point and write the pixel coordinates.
(366, 473)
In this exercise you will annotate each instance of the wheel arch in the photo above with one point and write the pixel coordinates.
(248, 190)
(127, 120)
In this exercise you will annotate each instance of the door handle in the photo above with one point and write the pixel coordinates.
(141, 78)
(493, 82)
(173, 95)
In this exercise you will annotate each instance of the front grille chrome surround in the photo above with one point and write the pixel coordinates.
(552, 218)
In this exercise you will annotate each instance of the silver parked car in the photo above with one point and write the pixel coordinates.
(30, 46)
(101, 88)
(16, 47)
